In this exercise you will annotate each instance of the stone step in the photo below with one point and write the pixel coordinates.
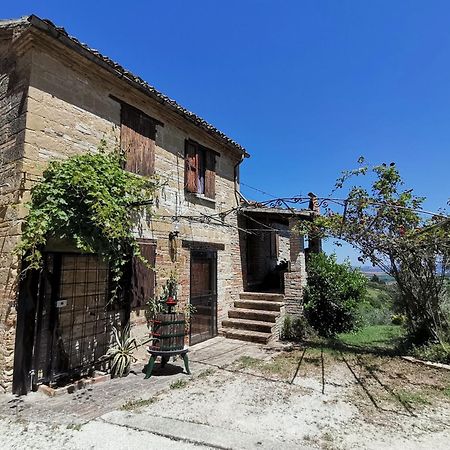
(252, 325)
(261, 296)
(253, 314)
(247, 335)
(258, 304)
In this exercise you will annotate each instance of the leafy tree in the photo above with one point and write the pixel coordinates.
(387, 226)
(333, 294)
(90, 200)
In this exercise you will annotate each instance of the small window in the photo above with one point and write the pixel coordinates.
(200, 171)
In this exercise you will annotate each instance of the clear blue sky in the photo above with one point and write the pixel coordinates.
(305, 86)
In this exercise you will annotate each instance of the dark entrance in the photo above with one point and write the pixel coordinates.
(203, 295)
(72, 319)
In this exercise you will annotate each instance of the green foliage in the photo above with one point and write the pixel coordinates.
(382, 337)
(433, 352)
(387, 226)
(87, 200)
(398, 319)
(378, 306)
(158, 305)
(295, 328)
(121, 352)
(332, 295)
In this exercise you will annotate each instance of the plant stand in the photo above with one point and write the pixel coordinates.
(165, 356)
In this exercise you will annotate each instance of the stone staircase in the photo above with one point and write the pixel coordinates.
(253, 317)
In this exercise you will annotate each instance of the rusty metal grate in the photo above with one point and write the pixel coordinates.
(74, 323)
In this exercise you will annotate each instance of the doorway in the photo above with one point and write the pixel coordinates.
(203, 296)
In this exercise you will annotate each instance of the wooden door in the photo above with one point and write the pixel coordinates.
(203, 296)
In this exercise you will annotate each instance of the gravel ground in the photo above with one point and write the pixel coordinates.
(298, 399)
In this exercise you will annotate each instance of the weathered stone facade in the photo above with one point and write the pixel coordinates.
(56, 104)
(58, 100)
(14, 82)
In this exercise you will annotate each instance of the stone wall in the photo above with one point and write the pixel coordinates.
(14, 74)
(70, 107)
(295, 278)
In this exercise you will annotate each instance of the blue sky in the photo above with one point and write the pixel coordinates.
(305, 86)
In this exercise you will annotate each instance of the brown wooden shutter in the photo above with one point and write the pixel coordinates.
(191, 167)
(137, 139)
(210, 175)
(142, 287)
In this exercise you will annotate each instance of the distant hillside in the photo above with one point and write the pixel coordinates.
(369, 271)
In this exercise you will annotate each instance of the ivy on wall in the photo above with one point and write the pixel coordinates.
(91, 201)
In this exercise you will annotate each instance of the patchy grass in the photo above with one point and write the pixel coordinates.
(248, 362)
(74, 426)
(377, 337)
(206, 373)
(179, 384)
(446, 392)
(131, 405)
(283, 365)
(412, 398)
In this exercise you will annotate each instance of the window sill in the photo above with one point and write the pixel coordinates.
(201, 197)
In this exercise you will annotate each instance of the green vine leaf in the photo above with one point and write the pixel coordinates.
(92, 201)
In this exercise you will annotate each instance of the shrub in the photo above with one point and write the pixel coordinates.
(433, 352)
(332, 295)
(295, 329)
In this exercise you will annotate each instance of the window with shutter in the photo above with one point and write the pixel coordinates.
(137, 140)
(200, 171)
(210, 175)
(142, 286)
(191, 169)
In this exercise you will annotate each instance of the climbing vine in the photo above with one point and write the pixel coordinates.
(91, 201)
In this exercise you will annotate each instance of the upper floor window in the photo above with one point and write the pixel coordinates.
(200, 170)
(137, 140)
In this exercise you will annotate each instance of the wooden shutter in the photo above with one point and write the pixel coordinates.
(137, 139)
(142, 287)
(210, 174)
(191, 167)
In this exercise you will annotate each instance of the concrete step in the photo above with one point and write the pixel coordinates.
(251, 325)
(261, 296)
(258, 304)
(247, 335)
(253, 314)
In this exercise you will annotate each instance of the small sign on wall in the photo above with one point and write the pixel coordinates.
(61, 303)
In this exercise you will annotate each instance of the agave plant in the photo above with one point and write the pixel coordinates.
(121, 353)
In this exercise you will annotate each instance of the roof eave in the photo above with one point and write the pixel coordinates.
(135, 81)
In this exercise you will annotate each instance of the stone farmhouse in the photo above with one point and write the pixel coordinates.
(239, 263)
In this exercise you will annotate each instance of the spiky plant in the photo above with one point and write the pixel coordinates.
(121, 353)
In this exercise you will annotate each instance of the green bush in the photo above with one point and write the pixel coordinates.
(295, 329)
(332, 295)
(433, 352)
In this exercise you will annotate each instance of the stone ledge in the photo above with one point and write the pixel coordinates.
(71, 388)
(426, 363)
